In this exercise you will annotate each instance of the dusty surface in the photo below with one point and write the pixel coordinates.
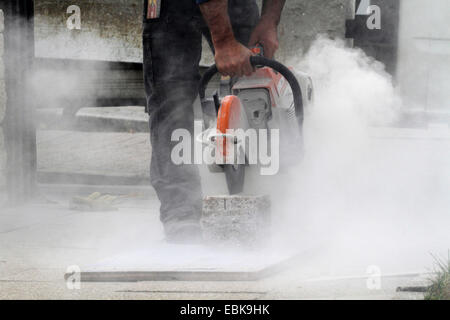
(39, 242)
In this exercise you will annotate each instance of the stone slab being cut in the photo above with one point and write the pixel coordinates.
(165, 262)
(236, 220)
(235, 230)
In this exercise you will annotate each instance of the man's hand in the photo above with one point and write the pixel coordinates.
(232, 58)
(265, 33)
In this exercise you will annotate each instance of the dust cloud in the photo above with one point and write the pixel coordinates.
(365, 194)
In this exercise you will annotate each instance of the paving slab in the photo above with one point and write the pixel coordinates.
(165, 262)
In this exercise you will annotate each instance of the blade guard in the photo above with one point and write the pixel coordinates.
(231, 116)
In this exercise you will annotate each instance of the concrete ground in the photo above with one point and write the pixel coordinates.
(39, 241)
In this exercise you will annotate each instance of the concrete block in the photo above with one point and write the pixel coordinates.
(242, 221)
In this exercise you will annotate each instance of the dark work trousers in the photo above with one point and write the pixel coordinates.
(172, 50)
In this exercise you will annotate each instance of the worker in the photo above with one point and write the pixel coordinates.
(172, 41)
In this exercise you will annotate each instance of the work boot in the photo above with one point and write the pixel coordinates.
(183, 233)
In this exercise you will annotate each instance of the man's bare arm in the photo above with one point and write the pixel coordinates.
(266, 32)
(271, 10)
(232, 58)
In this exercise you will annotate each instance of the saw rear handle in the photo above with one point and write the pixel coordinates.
(257, 62)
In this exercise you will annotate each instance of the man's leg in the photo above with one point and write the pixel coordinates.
(171, 57)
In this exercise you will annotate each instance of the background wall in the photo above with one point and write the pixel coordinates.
(303, 20)
(111, 29)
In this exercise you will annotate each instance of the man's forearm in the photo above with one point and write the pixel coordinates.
(215, 13)
(232, 58)
(271, 10)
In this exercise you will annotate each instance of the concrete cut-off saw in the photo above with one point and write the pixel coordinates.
(273, 97)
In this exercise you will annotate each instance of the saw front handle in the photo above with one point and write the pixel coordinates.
(257, 62)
